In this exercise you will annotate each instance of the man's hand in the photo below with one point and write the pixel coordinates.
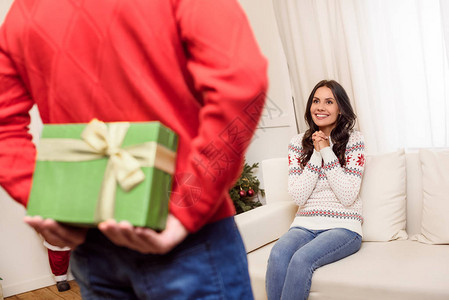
(145, 240)
(56, 233)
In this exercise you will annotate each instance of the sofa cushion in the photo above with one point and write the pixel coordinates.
(380, 270)
(383, 194)
(435, 180)
(414, 192)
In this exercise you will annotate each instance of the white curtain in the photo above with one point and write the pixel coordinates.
(390, 56)
(444, 4)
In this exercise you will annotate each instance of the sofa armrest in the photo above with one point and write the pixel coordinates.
(265, 224)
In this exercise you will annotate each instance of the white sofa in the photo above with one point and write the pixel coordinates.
(390, 264)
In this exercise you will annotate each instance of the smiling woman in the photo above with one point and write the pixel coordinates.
(324, 109)
(328, 107)
(326, 164)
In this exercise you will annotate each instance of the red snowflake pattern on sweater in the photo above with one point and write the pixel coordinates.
(361, 160)
(348, 159)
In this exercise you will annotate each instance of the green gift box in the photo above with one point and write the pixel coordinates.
(87, 173)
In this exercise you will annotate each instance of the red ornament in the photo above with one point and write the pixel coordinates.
(242, 193)
(250, 192)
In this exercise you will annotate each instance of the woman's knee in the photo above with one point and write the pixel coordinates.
(303, 260)
(351, 241)
(276, 255)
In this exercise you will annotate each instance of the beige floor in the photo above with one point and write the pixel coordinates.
(50, 293)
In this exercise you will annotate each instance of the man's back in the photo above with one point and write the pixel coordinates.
(114, 60)
(191, 64)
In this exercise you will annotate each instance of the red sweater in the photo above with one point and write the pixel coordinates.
(193, 65)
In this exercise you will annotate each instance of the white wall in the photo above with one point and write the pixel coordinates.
(23, 259)
(278, 124)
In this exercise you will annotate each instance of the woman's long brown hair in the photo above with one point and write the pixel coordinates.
(340, 134)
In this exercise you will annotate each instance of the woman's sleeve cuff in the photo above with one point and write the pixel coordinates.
(316, 158)
(328, 155)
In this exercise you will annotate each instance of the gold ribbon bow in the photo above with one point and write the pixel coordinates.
(124, 164)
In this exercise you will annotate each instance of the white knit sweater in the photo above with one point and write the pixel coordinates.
(326, 192)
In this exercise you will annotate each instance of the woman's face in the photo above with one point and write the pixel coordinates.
(324, 109)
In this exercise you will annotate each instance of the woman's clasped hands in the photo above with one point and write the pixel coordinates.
(320, 140)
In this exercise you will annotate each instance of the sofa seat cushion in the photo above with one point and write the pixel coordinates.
(380, 270)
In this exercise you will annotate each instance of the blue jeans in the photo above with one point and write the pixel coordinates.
(298, 253)
(209, 264)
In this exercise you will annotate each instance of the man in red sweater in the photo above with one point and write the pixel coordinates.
(194, 66)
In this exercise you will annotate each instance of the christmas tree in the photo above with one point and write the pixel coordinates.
(245, 193)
